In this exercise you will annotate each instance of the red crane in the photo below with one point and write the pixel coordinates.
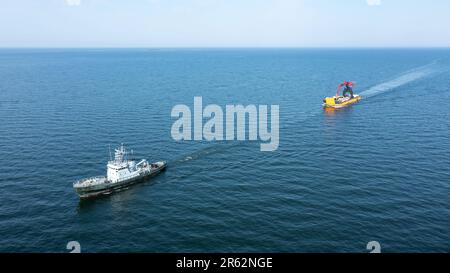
(350, 84)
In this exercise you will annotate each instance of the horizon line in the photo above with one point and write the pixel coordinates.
(225, 47)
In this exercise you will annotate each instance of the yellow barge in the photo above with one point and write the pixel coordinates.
(338, 102)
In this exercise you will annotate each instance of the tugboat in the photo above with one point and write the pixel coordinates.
(347, 98)
(121, 173)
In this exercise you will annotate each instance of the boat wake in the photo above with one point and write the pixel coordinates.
(211, 149)
(405, 78)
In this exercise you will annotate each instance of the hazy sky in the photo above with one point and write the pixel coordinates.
(224, 23)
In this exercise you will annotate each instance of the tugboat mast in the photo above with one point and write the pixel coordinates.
(119, 155)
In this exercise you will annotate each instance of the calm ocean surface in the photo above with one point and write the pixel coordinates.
(376, 171)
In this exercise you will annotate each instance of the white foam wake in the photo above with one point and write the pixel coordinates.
(407, 77)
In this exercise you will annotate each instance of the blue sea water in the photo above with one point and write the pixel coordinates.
(378, 171)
